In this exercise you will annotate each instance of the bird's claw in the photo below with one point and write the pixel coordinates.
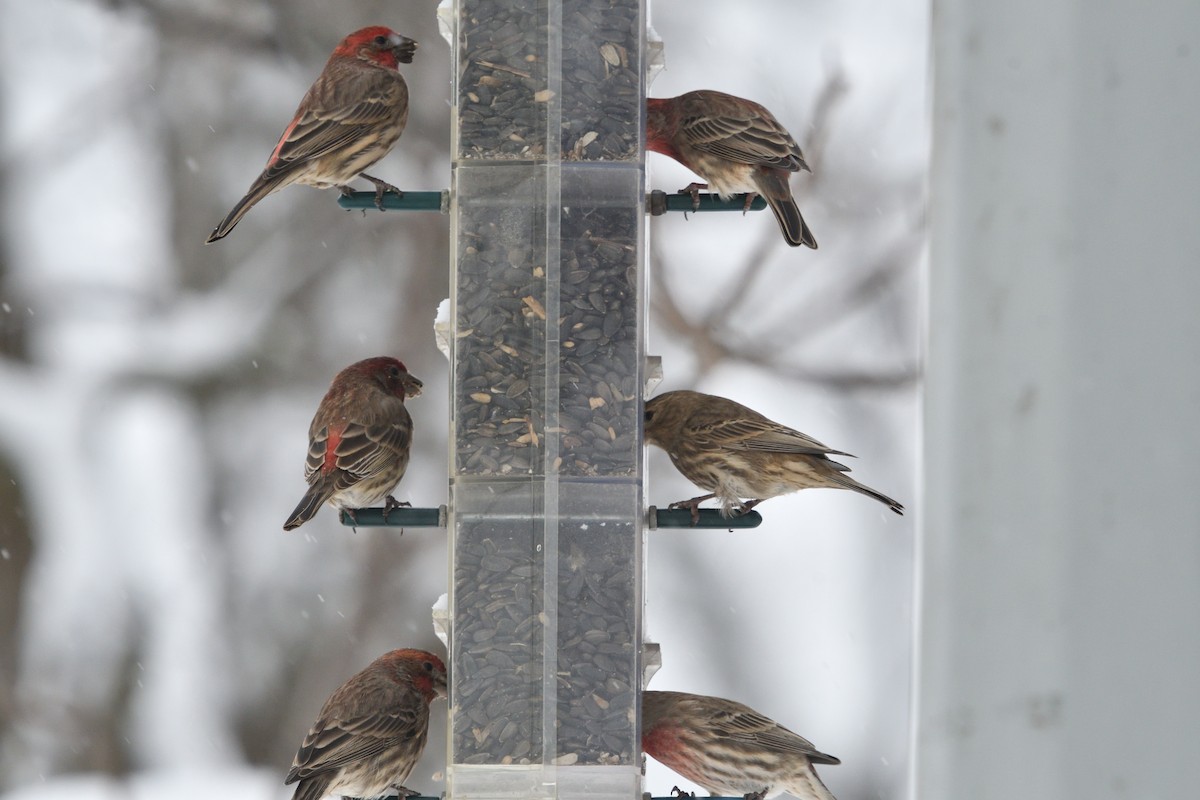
(381, 187)
(759, 795)
(404, 791)
(746, 507)
(677, 792)
(692, 505)
(694, 190)
(390, 504)
(749, 202)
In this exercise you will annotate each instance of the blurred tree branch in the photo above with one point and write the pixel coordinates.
(241, 335)
(178, 21)
(720, 333)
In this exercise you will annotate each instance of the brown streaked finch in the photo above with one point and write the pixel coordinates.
(372, 729)
(734, 452)
(352, 115)
(730, 749)
(359, 439)
(735, 145)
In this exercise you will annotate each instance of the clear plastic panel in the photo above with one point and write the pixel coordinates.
(504, 78)
(514, 304)
(546, 511)
(519, 80)
(500, 314)
(498, 623)
(598, 618)
(546, 622)
(600, 303)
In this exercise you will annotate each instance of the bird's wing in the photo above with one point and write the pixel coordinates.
(751, 727)
(743, 138)
(340, 739)
(330, 119)
(318, 443)
(758, 435)
(365, 450)
(357, 450)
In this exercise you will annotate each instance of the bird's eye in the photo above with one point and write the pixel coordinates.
(394, 372)
(428, 665)
(381, 41)
(649, 415)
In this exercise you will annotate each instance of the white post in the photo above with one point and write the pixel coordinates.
(1060, 636)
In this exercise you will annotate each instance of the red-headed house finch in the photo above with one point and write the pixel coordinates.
(729, 749)
(734, 144)
(359, 439)
(735, 452)
(350, 118)
(372, 729)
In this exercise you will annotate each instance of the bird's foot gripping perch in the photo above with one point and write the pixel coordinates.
(694, 190)
(693, 505)
(745, 507)
(380, 188)
(390, 504)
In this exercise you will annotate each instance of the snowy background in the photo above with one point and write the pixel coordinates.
(160, 635)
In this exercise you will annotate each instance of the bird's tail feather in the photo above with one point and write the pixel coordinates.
(316, 495)
(313, 787)
(260, 189)
(772, 184)
(791, 223)
(850, 483)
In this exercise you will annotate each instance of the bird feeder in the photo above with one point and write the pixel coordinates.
(546, 515)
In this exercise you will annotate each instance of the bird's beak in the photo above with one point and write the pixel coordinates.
(404, 48)
(412, 386)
